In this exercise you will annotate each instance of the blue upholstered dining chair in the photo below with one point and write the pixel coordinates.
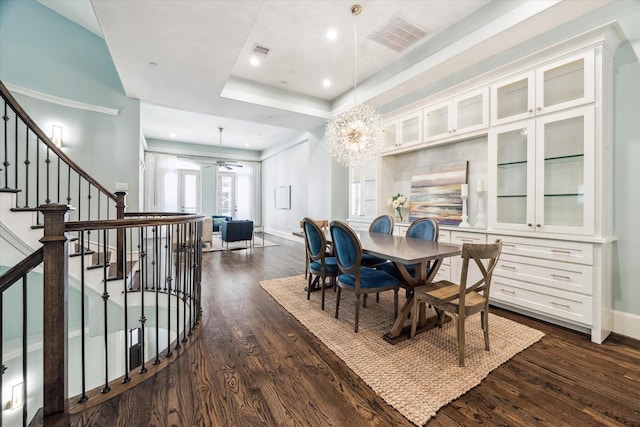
(423, 228)
(383, 225)
(353, 276)
(320, 264)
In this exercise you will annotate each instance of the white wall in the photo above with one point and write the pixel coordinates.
(318, 185)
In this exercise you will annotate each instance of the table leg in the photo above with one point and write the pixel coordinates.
(399, 332)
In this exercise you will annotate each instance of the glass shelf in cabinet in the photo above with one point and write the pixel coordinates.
(567, 157)
(517, 163)
(504, 196)
(564, 195)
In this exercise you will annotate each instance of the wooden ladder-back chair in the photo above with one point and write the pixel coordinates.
(462, 299)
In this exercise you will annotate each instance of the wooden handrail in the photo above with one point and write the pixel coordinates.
(23, 267)
(135, 222)
(4, 92)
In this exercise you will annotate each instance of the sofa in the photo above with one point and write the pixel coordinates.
(218, 220)
(236, 231)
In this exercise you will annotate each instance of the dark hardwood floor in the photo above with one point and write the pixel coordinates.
(255, 365)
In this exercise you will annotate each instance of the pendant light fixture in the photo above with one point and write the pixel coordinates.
(355, 135)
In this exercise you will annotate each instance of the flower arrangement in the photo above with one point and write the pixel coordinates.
(398, 202)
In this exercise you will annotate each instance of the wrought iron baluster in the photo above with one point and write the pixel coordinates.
(3, 368)
(83, 345)
(48, 172)
(105, 298)
(143, 277)
(126, 378)
(25, 340)
(6, 163)
(169, 278)
(27, 163)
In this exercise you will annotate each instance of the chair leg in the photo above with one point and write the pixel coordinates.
(414, 318)
(309, 287)
(485, 327)
(378, 297)
(364, 301)
(355, 329)
(323, 287)
(460, 340)
(338, 301)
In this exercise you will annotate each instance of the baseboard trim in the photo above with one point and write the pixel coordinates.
(282, 234)
(626, 324)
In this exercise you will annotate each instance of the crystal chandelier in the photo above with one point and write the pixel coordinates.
(355, 135)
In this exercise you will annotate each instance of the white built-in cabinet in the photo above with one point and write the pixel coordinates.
(548, 121)
(404, 131)
(363, 190)
(542, 173)
(559, 85)
(458, 115)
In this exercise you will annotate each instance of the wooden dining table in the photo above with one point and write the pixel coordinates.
(427, 255)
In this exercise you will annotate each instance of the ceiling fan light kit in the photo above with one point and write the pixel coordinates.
(223, 163)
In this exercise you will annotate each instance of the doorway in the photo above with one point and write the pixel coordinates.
(226, 202)
(189, 191)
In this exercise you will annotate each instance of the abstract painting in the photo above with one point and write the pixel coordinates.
(435, 192)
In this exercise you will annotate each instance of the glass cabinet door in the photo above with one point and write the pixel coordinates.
(363, 191)
(436, 121)
(513, 99)
(411, 129)
(565, 84)
(512, 182)
(471, 111)
(565, 172)
(390, 134)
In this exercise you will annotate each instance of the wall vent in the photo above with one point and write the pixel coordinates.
(398, 34)
(260, 50)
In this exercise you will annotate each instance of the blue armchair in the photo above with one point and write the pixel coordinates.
(218, 220)
(236, 231)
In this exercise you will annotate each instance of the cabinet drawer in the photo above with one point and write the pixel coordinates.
(444, 236)
(558, 275)
(559, 304)
(460, 237)
(557, 250)
(444, 272)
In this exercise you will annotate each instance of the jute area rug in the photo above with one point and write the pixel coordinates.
(416, 377)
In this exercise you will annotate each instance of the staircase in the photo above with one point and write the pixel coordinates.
(92, 297)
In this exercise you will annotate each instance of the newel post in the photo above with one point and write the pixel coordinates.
(121, 205)
(56, 308)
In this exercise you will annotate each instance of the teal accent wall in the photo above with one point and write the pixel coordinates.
(45, 52)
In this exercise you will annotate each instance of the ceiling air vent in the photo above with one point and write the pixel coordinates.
(260, 50)
(398, 34)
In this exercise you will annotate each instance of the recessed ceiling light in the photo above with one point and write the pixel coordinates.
(332, 34)
(326, 83)
(254, 61)
(172, 135)
(246, 145)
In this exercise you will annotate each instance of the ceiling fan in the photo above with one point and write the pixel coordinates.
(223, 163)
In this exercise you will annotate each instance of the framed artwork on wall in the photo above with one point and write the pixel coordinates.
(435, 192)
(283, 197)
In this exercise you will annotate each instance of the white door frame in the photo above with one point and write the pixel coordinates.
(229, 207)
(184, 178)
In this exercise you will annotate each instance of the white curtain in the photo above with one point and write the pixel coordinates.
(248, 198)
(161, 181)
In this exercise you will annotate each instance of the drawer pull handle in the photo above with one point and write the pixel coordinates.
(561, 251)
(509, 267)
(467, 240)
(509, 245)
(507, 291)
(561, 277)
(567, 306)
